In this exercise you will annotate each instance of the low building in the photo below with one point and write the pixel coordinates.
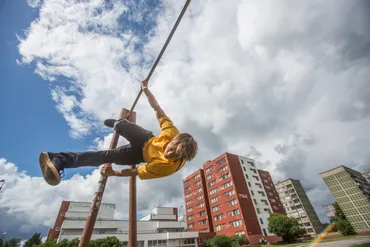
(366, 176)
(330, 211)
(160, 228)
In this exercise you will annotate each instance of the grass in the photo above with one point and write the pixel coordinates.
(362, 245)
(326, 240)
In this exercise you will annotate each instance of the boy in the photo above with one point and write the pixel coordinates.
(164, 154)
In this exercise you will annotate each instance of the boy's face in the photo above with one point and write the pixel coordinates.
(170, 152)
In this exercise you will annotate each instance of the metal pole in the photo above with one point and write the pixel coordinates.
(94, 209)
(181, 229)
(132, 228)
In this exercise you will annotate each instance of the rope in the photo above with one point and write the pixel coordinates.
(160, 55)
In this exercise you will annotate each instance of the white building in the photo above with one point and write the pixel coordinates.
(160, 228)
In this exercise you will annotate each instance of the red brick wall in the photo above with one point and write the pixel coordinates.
(54, 233)
(245, 204)
(192, 202)
(272, 194)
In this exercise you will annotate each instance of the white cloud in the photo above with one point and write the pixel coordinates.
(243, 83)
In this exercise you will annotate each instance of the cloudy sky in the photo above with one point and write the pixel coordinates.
(283, 82)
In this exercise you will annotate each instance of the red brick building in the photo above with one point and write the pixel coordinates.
(236, 197)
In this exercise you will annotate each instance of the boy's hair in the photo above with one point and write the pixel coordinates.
(187, 147)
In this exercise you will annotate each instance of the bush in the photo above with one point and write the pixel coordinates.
(345, 227)
(285, 227)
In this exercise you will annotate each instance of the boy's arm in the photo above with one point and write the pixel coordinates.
(108, 171)
(152, 101)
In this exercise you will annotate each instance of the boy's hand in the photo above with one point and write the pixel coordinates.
(144, 85)
(107, 171)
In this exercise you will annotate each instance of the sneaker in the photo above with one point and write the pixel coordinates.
(50, 171)
(110, 123)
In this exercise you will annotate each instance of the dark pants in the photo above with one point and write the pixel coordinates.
(129, 154)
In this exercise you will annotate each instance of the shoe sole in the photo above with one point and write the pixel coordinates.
(50, 173)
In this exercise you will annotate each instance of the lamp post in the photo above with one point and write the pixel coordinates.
(180, 228)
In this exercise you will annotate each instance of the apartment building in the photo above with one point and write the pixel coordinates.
(330, 211)
(196, 200)
(238, 198)
(160, 228)
(366, 176)
(352, 192)
(298, 206)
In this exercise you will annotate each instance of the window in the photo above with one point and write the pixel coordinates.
(258, 210)
(265, 202)
(236, 223)
(189, 202)
(190, 217)
(261, 193)
(202, 222)
(232, 202)
(187, 195)
(186, 182)
(256, 177)
(267, 187)
(246, 175)
(229, 193)
(190, 210)
(234, 212)
(213, 191)
(264, 232)
(199, 197)
(198, 190)
(197, 183)
(213, 182)
(191, 225)
(259, 185)
(249, 184)
(220, 161)
(210, 176)
(215, 199)
(224, 168)
(216, 208)
(244, 169)
(209, 168)
(270, 193)
(251, 163)
(252, 193)
(273, 200)
(240, 233)
(218, 217)
(200, 205)
(254, 200)
(261, 220)
(267, 210)
(265, 181)
(262, 175)
(223, 177)
(253, 170)
(220, 227)
(197, 176)
(187, 189)
(202, 213)
(242, 162)
(228, 184)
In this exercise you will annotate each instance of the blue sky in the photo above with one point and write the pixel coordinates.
(30, 123)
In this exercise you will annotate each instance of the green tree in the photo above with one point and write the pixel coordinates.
(1, 242)
(239, 240)
(339, 215)
(106, 242)
(345, 227)
(34, 240)
(220, 241)
(51, 242)
(13, 242)
(285, 227)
